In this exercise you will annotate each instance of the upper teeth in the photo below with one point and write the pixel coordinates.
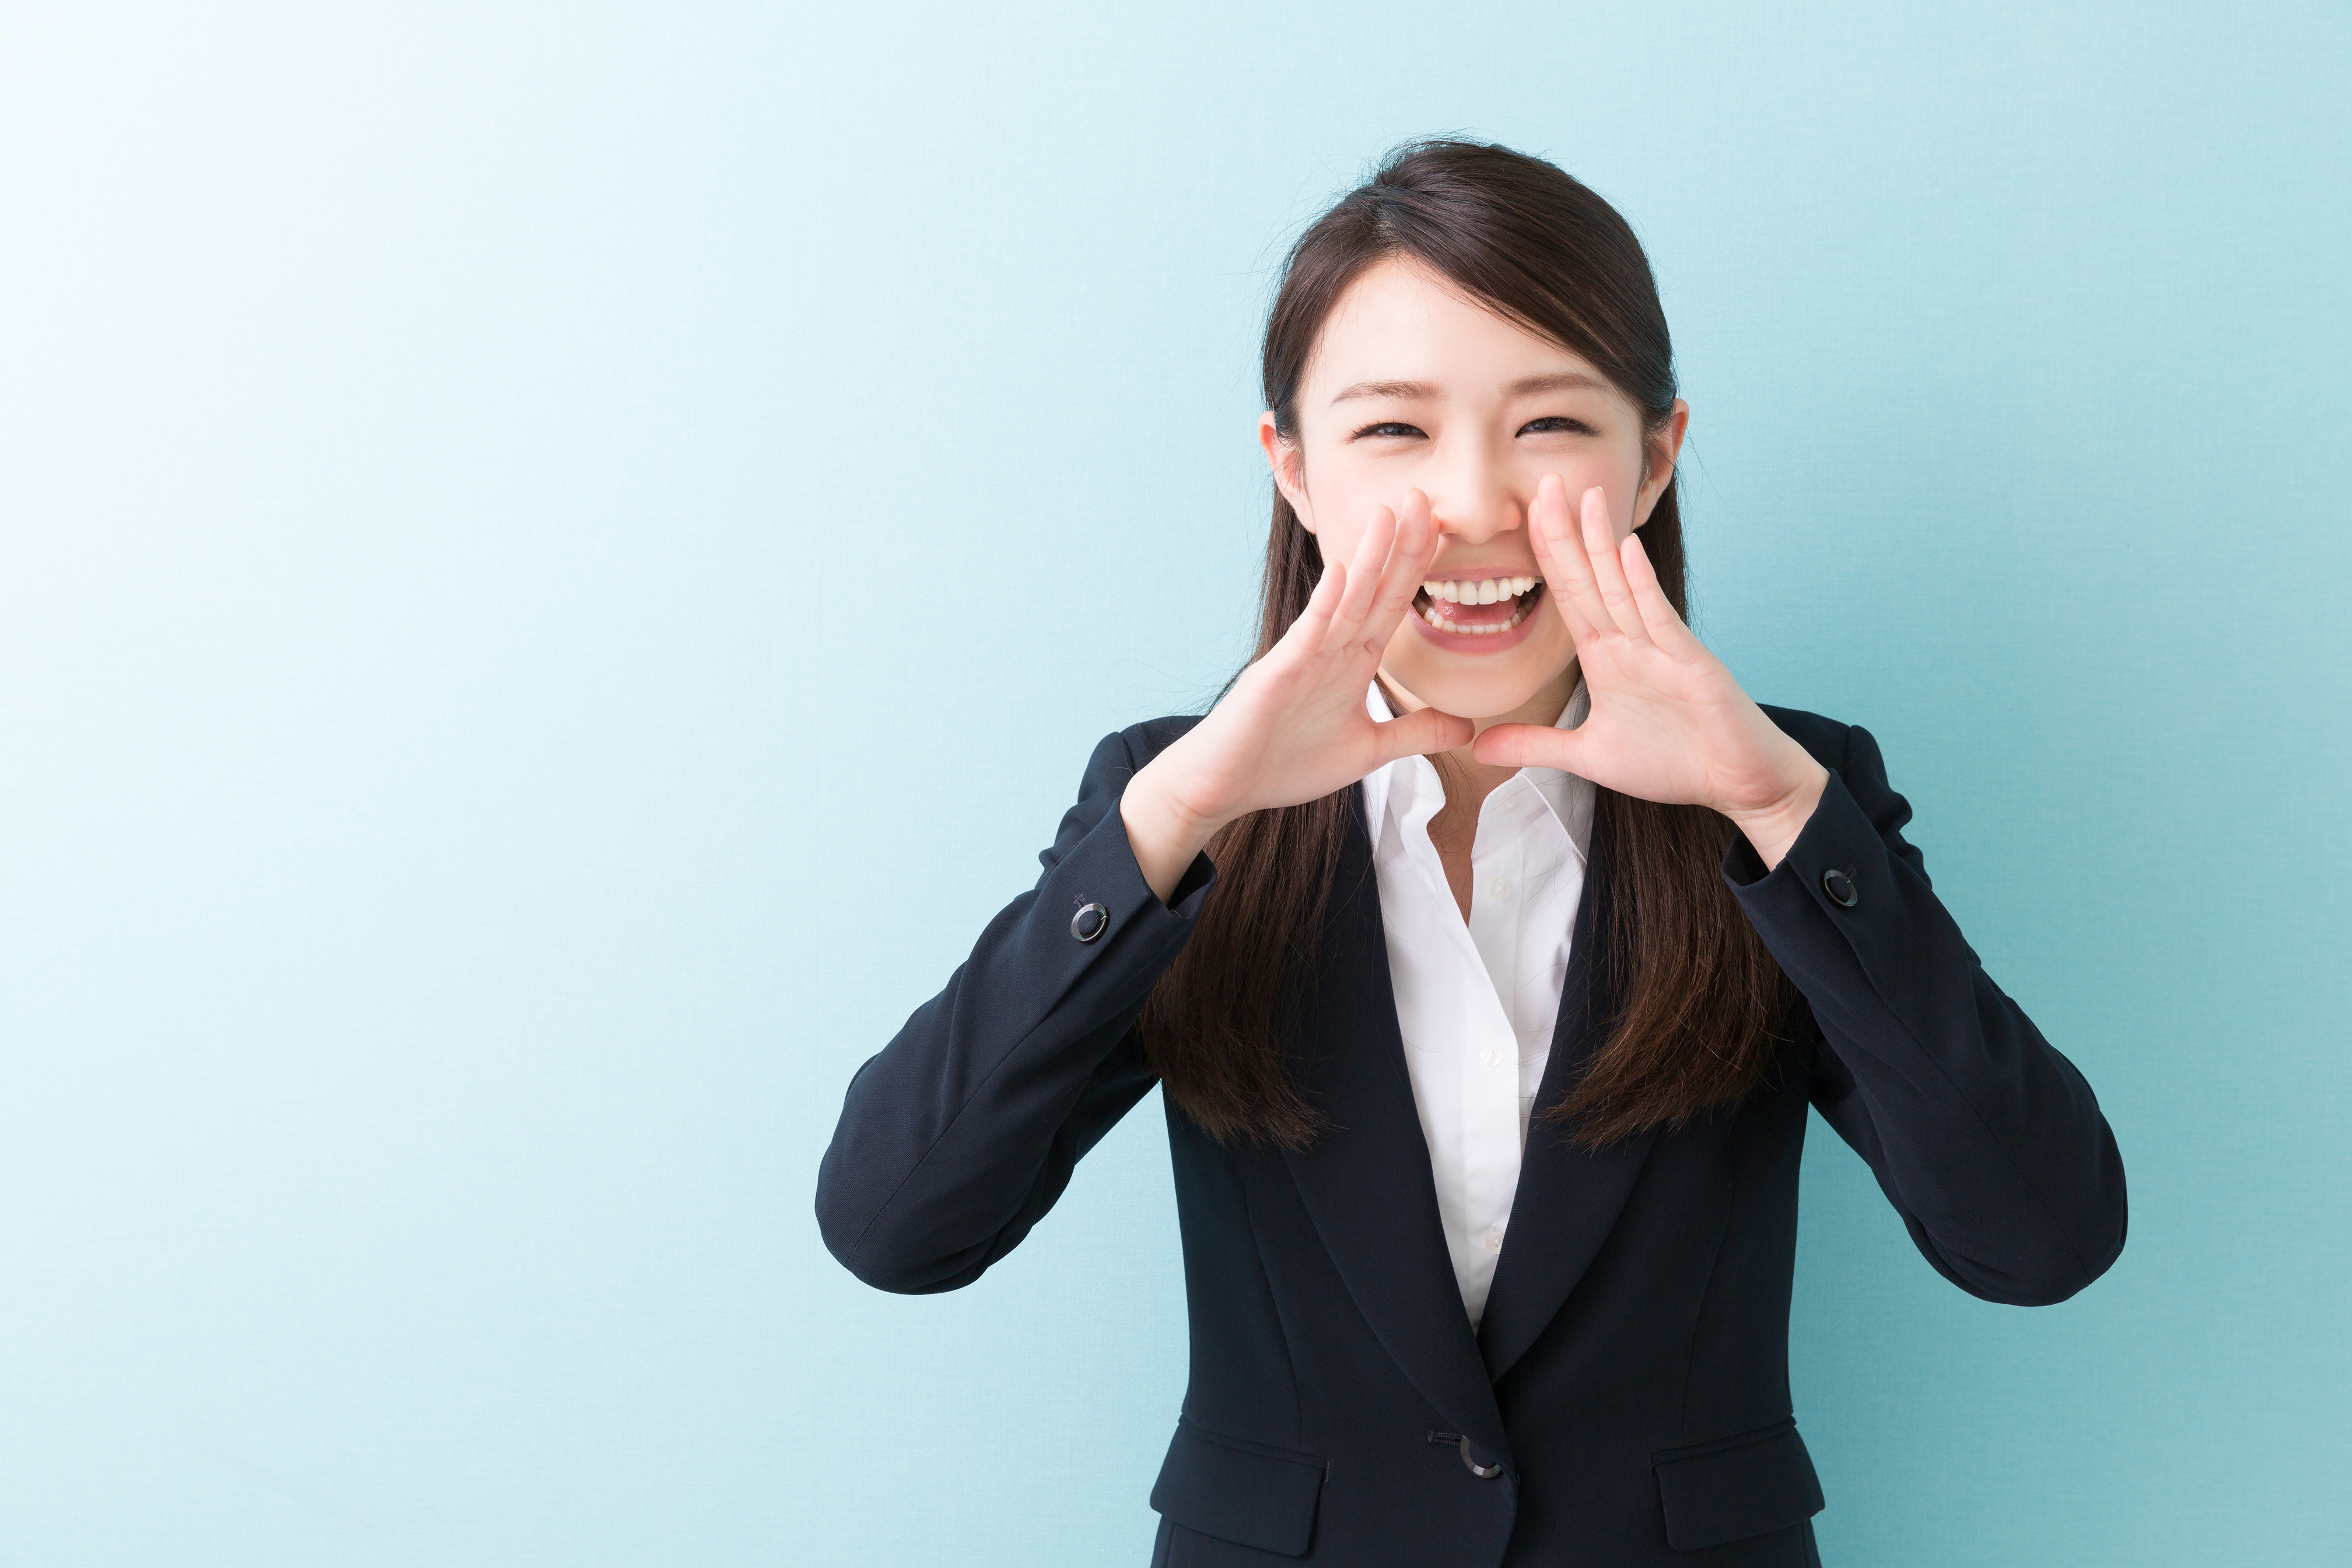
(1492, 590)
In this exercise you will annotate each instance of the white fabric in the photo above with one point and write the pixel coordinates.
(1476, 1003)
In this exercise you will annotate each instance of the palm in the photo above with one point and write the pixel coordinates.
(1294, 728)
(1668, 722)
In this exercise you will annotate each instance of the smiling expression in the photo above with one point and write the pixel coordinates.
(1413, 386)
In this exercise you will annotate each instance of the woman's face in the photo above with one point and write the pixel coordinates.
(1411, 386)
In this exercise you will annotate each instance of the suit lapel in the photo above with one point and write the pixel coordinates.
(1567, 1199)
(1366, 1179)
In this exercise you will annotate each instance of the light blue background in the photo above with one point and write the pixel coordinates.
(558, 563)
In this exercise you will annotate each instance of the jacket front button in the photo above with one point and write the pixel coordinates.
(1484, 1472)
(1839, 888)
(1089, 922)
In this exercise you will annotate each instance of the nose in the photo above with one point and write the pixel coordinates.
(1470, 500)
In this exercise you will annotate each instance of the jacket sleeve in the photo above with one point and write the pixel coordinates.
(961, 1132)
(1988, 1143)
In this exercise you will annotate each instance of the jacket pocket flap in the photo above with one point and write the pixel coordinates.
(1736, 1487)
(1247, 1494)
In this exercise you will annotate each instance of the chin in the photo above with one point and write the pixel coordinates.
(1480, 688)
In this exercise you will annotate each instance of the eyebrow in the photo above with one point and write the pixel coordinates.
(1420, 390)
(1559, 381)
(1428, 392)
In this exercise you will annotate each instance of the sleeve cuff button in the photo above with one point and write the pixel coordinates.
(1839, 888)
(1089, 922)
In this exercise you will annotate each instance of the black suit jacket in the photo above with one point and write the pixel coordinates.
(1626, 1398)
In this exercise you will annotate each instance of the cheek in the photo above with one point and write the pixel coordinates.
(1337, 537)
(1341, 510)
(1618, 474)
(1344, 486)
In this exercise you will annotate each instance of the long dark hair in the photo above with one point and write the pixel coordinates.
(1698, 1000)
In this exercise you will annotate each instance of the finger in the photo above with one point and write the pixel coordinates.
(1364, 575)
(1409, 558)
(1528, 745)
(1418, 734)
(1600, 546)
(1556, 586)
(1314, 623)
(1566, 567)
(1666, 628)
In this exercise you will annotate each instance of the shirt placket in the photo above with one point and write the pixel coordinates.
(1490, 1065)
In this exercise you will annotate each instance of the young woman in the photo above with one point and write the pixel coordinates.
(1489, 944)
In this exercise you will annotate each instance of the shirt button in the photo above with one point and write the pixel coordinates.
(1494, 1057)
(1494, 1238)
(1500, 888)
(1511, 802)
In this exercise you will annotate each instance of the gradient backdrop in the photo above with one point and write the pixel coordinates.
(560, 561)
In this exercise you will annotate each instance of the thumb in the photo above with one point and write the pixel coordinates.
(1418, 734)
(1529, 745)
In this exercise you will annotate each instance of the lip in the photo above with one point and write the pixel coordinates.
(1480, 574)
(1466, 646)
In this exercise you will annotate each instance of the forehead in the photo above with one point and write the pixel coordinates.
(1400, 322)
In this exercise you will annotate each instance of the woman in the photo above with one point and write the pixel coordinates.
(1489, 944)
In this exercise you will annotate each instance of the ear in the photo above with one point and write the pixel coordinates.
(1658, 458)
(1288, 464)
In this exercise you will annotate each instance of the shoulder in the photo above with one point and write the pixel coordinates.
(1149, 739)
(1121, 755)
(1847, 749)
(1117, 758)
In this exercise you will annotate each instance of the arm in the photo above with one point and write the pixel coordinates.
(960, 1134)
(1988, 1143)
(962, 1131)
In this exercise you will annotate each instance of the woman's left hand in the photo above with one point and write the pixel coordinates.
(1668, 722)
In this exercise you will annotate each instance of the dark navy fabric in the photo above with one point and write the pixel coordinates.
(1628, 1384)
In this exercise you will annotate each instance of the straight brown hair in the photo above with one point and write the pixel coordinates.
(1699, 1001)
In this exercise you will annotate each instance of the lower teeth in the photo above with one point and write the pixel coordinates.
(1527, 603)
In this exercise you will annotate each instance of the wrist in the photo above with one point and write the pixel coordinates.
(1772, 826)
(1165, 833)
(1156, 791)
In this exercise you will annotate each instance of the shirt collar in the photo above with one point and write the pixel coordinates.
(1570, 798)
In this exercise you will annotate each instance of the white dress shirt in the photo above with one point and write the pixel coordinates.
(1477, 1002)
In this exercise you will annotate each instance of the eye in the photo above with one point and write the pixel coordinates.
(1557, 425)
(1388, 428)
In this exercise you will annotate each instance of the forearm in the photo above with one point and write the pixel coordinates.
(1985, 1137)
(960, 1132)
(1165, 835)
(1775, 793)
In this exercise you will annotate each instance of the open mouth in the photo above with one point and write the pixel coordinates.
(1488, 607)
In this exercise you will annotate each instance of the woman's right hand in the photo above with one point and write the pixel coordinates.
(1295, 727)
